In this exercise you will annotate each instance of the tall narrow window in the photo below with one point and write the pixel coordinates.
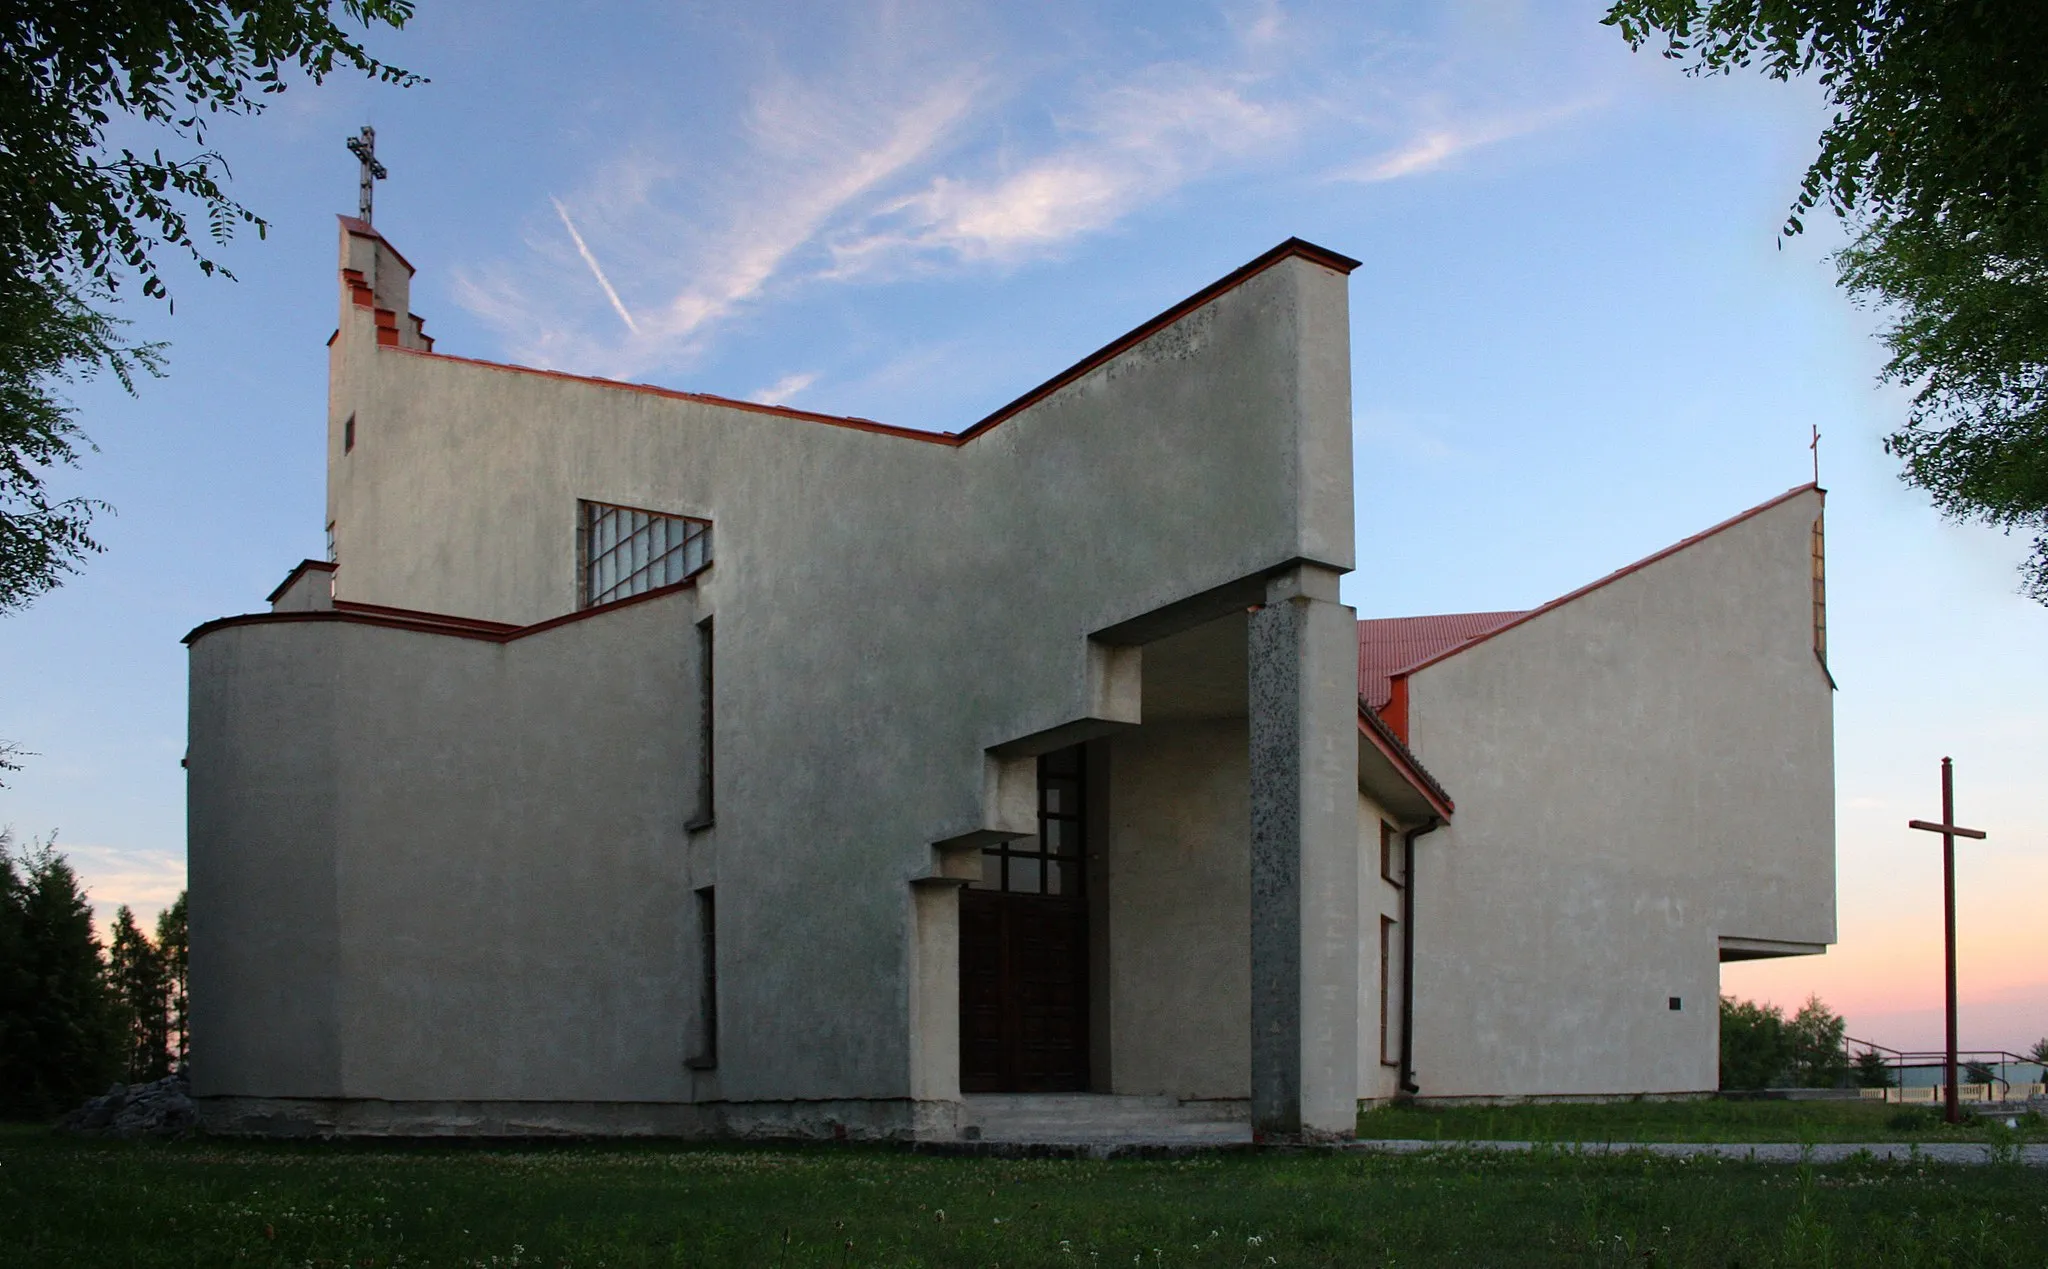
(625, 551)
(348, 435)
(706, 733)
(1390, 856)
(706, 1056)
(1389, 1050)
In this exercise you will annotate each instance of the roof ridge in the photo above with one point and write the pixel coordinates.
(1616, 575)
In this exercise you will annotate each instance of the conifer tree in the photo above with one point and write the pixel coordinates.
(137, 973)
(65, 1036)
(173, 945)
(15, 981)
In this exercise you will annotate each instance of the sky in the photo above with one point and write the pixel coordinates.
(1576, 335)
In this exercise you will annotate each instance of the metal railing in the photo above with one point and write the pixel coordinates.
(1995, 1062)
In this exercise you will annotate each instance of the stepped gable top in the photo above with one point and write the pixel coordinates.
(1289, 249)
(1389, 645)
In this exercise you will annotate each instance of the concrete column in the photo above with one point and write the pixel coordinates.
(1304, 865)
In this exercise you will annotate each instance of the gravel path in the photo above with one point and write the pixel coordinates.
(1830, 1152)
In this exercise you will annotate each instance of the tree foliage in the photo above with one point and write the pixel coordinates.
(1762, 1048)
(174, 945)
(1937, 157)
(1871, 1070)
(48, 336)
(81, 216)
(74, 1016)
(1814, 1046)
(60, 1040)
(1753, 1048)
(142, 997)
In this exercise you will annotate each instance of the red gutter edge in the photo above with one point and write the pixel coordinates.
(434, 623)
(1293, 247)
(299, 570)
(702, 398)
(1398, 676)
(1374, 728)
(429, 618)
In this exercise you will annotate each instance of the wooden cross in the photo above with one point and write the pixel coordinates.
(364, 147)
(1949, 832)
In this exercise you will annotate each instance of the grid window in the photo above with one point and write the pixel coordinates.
(1053, 862)
(627, 551)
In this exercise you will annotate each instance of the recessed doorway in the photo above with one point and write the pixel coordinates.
(1024, 948)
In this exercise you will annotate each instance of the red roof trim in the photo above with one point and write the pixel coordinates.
(1375, 729)
(1293, 247)
(702, 398)
(364, 229)
(1616, 575)
(436, 623)
(426, 618)
(298, 570)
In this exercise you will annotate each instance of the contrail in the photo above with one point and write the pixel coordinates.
(591, 260)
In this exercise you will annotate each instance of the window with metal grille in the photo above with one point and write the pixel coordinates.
(626, 550)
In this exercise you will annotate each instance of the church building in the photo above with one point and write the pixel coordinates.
(645, 762)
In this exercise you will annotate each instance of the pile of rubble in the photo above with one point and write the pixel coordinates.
(160, 1109)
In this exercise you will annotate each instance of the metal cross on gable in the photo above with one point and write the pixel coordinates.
(1949, 831)
(364, 147)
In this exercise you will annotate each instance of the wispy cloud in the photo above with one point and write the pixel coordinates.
(783, 390)
(696, 250)
(1434, 145)
(1133, 144)
(916, 154)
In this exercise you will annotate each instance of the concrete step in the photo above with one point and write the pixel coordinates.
(1095, 1118)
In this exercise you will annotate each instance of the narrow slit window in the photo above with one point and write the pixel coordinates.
(706, 1056)
(625, 550)
(1389, 1050)
(1390, 856)
(706, 732)
(348, 435)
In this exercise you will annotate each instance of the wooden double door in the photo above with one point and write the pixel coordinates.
(1024, 949)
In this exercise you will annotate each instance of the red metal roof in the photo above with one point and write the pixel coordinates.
(1390, 645)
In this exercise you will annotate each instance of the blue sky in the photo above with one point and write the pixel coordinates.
(1576, 338)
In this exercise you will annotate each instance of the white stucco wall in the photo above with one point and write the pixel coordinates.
(1638, 773)
(890, 610)
(446, 869)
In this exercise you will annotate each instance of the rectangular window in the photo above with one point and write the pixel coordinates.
(1390, 856)
(706, 1057)
(348, 435)
(705, 731)
(625, 551)
(1388, 1054)
(1052, 863)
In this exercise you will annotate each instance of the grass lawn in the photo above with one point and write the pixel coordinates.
(205, 1203)
(1797, 1122)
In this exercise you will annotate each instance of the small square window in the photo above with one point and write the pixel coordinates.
(1676, 1004)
